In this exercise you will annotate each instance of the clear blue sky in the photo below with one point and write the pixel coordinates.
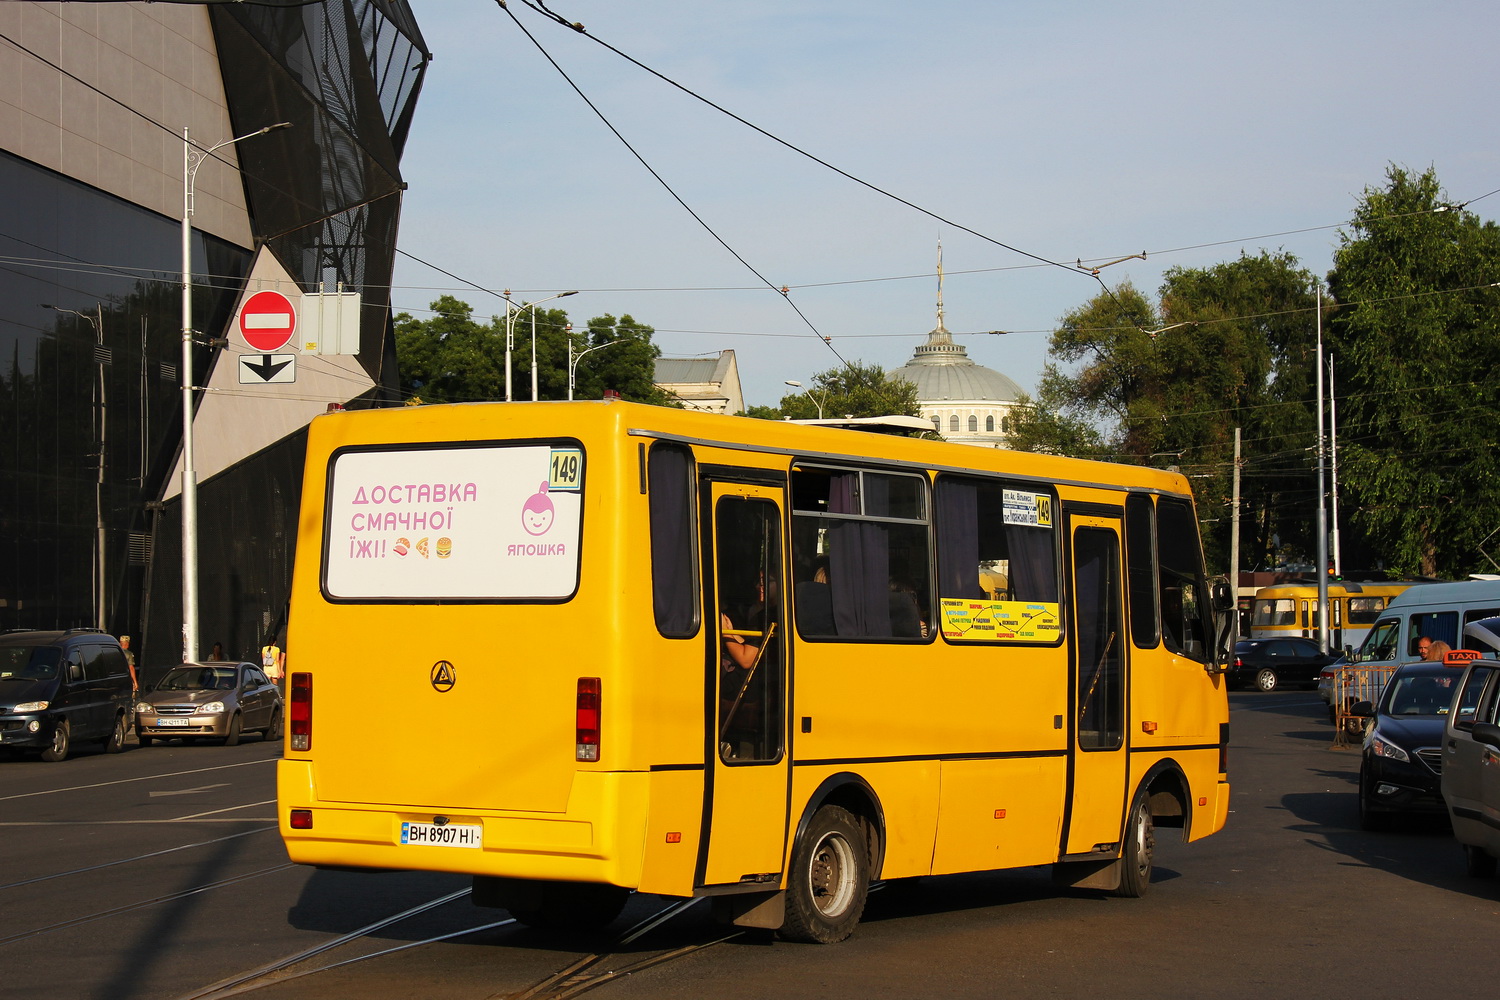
(1083, 130)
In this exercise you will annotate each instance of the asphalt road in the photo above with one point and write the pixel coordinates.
(157, 874)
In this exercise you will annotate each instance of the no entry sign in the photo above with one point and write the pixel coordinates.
(267, 321)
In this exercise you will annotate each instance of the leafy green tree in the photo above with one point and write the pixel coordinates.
(1416, 334)
(855, 390)
(451, 357)
(1166, 384)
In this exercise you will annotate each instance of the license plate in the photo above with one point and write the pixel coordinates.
(448, 835)
(174, 722)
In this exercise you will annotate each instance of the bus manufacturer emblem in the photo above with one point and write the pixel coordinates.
(443, 676)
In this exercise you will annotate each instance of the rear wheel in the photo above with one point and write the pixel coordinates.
(1478, 862)
(61, 740)
(1140, 850)
(232, 738)
(1265, 679)
(115, 741)
(829, 880)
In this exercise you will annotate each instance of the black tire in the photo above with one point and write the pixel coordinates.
(570, 906)
(145, 740)
(829, 880)
(1478, 862)
(1138, 853)
(1265, 679)
(115, 741)
(273, 731)
(1370, 818)
(62, 738)
(232, 738)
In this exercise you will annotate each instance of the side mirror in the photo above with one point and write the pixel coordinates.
(1487, 733)
(1348, 652)
(1221, 594)
(1363, 709)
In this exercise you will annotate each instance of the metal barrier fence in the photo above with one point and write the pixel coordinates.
(1353, 684)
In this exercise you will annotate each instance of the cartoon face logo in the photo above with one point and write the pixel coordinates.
(537, 513)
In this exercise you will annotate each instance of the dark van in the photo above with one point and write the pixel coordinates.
(57, 688)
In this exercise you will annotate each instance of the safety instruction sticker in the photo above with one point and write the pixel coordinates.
(1034, 509)
(1000, 621)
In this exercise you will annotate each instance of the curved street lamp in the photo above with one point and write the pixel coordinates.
(512, 310)
(573, 362)
(798, 385)
(193, 156)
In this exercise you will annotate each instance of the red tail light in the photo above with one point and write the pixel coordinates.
(1239, 662)
(586, 719)
(301, 711)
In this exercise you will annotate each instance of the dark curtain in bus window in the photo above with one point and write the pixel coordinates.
(1140, 570)
(1182, 587)
(1033, 569)
(1098, 640)
(673, 579)
(958, 540)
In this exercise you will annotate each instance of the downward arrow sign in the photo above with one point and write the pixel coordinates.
(268, 367)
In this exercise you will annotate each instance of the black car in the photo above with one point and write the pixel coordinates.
(1272, 663)
(62, 688)
(1401, 768)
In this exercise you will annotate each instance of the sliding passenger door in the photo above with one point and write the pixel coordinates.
(1098, 750)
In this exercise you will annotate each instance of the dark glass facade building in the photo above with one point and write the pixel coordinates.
(90, 289)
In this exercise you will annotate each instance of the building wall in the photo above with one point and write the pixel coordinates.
(93, 100)
(943, 414)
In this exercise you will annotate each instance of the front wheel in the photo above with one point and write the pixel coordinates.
(1478, 862)
(830, 879)
(1265, 679)
(61, 740)
(273, 731)
(1370, 818)
(232, 738)
(115, 741)
(1140, 850)
(146, 741)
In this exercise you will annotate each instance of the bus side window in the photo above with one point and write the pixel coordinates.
(1186, 625)
(1140, 570)
(674, 577)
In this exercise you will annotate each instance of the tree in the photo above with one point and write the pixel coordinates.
(854, 390)
(1166, 384)
(452, 358)
(1416, 334)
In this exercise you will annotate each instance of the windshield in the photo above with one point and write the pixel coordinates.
(199, 679)
(1419, 694)
(32, 663)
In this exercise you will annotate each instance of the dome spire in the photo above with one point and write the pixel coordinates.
(940, 286)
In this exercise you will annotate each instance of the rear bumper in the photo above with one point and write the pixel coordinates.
(597, 839)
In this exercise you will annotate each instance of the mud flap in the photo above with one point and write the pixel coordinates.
(752, 909)
(1103, 874)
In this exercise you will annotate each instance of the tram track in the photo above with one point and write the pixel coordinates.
(574, 979)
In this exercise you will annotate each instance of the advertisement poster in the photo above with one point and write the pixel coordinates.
(455, 523)
(1000, 621)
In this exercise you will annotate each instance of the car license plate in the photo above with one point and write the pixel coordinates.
(174, 722)
(448, 835)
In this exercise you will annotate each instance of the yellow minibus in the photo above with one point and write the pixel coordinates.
(581, 649)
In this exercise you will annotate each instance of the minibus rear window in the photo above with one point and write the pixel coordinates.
(476, 523)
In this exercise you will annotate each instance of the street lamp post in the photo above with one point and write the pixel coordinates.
(511, 311)
(573, 362)
(798, 385)
(100, 576)
(193, 157)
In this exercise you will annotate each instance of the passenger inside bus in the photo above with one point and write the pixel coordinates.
(815, 602)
